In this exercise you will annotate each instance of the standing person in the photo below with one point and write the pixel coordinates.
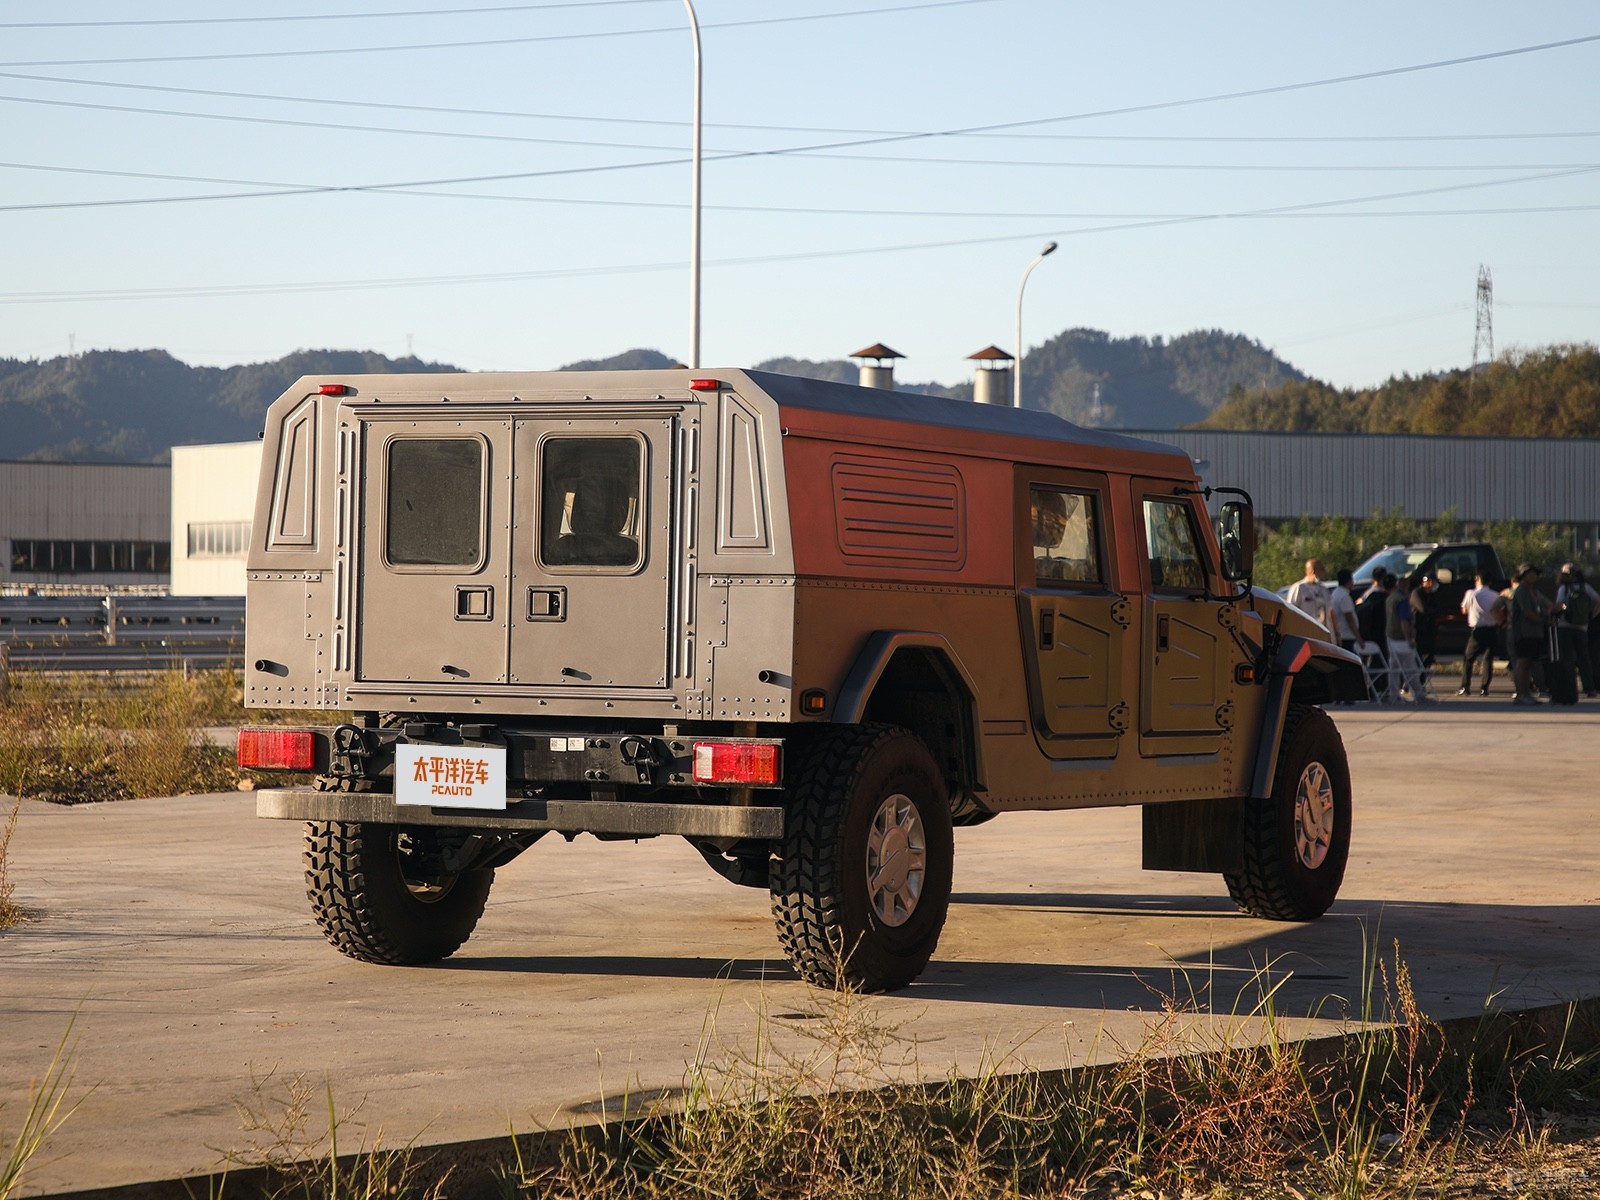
(1403, 659)
(1421, 593)
(1576, 605)
(1530, 613)
(1371, 618)
(1310, 597)
(1485, 609)
(1342, 607)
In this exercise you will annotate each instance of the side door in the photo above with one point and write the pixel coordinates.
(592, 548)
(435, 507)
(1183, 691)
(1075, 620)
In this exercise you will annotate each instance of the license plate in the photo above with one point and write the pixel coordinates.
(450, 776)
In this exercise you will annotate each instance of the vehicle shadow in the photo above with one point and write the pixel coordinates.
(1147, 953)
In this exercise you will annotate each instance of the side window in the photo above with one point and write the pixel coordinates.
(1169, 538)
(433, 509)
(591, 503)
(1065, 535)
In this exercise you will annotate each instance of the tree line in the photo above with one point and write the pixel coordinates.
(1553, 391)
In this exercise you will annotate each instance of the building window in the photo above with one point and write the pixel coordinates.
(219, 539)
(61, 556)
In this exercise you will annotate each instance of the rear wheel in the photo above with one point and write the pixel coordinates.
(381, 895)
(1296, 842)
(861, 878)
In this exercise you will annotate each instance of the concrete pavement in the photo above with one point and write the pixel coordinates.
(179, 933)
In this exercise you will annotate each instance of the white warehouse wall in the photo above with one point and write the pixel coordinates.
(213, 501)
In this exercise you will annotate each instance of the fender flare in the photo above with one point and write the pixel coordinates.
(877, 651)
(1340, 676)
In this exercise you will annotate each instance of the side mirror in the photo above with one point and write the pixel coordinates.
(1238, 541)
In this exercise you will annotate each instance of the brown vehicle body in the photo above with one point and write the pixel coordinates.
(911, 611)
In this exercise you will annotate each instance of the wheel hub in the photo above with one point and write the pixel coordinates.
(897, 860)
(1313, 816)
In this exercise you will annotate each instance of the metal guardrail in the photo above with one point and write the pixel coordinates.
(118, 632)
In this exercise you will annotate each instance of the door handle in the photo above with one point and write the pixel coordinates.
(547, 604)
(1163, 633)
(1047, 629)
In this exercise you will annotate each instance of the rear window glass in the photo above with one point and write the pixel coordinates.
(591, 510)
(434, 504)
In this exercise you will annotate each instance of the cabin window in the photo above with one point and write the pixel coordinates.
(435, 502)
(592, 503)
(1174, 551)
(1065, 537)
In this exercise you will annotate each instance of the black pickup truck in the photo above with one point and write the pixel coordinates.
(1452, 564)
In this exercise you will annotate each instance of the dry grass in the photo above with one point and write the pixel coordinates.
(1206, 1105)
(292, 1132)
(10, 912)
(92, 739)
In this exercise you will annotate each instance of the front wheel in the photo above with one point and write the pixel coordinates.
(380, 894)
(861, 878)
(1297, 841)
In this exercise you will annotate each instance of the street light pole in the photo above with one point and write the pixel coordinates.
(1016, 380)
(694, 203)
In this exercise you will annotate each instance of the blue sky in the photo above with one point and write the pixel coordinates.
(505, 185)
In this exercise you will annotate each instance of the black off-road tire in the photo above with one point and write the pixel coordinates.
(1296, 843)
(830, 925)
(372, 906)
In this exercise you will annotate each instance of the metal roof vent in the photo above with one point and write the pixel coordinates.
(876, 363)
(991, 384)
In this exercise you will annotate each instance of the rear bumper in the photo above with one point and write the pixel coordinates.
(619, 818)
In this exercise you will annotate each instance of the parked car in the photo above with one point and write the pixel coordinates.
(1453, 565)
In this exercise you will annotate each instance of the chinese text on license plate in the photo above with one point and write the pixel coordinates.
(450, 776)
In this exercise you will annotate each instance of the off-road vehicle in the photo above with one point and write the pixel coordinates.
(805, 626)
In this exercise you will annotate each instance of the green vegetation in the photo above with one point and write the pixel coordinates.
(1340, 542)
(1549, 392)
(88, 740)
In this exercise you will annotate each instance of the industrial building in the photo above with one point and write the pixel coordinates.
(1289, 475)
(213, 500)
(103, 525)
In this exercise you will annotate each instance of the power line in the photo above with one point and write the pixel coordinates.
(215, 290)
(289, 188)
(476, 43)
(451, 110)
(416, 12)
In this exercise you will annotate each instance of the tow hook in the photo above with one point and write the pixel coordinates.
(640, 754)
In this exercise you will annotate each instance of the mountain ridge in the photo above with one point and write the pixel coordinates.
(135, 405)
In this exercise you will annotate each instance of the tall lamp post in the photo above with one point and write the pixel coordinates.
(694, 203)
(1016, 382)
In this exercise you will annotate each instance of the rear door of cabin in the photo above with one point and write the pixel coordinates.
(432, 564)
(592, 550)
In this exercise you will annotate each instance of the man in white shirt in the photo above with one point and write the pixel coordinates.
(1342, 608)
(1310, 597)
(1486, 612)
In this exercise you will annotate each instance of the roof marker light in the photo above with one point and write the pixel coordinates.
(704, 385)
(333, 389)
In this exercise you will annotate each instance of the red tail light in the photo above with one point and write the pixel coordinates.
(736, 762)
(278, 749)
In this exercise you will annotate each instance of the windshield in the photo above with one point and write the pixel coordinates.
(1399, 560)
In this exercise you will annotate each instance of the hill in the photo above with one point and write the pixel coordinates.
(1550, 392)
(1146, 383)
(132, 406)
